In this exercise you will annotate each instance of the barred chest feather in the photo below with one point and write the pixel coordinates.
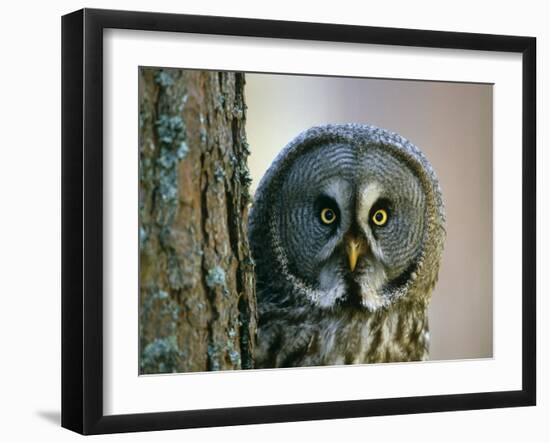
(308, 336)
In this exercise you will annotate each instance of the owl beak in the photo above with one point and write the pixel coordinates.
(355, 248)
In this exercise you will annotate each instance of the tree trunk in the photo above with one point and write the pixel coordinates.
(197, 301)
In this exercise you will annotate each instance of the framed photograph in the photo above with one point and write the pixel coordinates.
(268, 221)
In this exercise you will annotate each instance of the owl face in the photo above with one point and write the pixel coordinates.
(351, 224)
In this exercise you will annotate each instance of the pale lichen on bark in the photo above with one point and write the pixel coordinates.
(197, 301)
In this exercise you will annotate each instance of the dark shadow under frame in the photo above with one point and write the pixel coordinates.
(82, 220)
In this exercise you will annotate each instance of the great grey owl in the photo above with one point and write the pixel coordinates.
(347, 232)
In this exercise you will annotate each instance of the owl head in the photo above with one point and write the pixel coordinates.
(348, 216)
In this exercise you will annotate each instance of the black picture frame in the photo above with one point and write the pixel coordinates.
(82, 220)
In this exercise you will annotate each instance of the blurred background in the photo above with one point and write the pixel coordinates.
(452, 124)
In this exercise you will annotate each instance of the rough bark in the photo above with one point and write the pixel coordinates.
(197, 301)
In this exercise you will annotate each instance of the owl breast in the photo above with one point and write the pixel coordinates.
(296, 336)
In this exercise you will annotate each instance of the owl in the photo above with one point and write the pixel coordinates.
(346, 231)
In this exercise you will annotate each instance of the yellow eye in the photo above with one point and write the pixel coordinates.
(380, 217)
(328, 216)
